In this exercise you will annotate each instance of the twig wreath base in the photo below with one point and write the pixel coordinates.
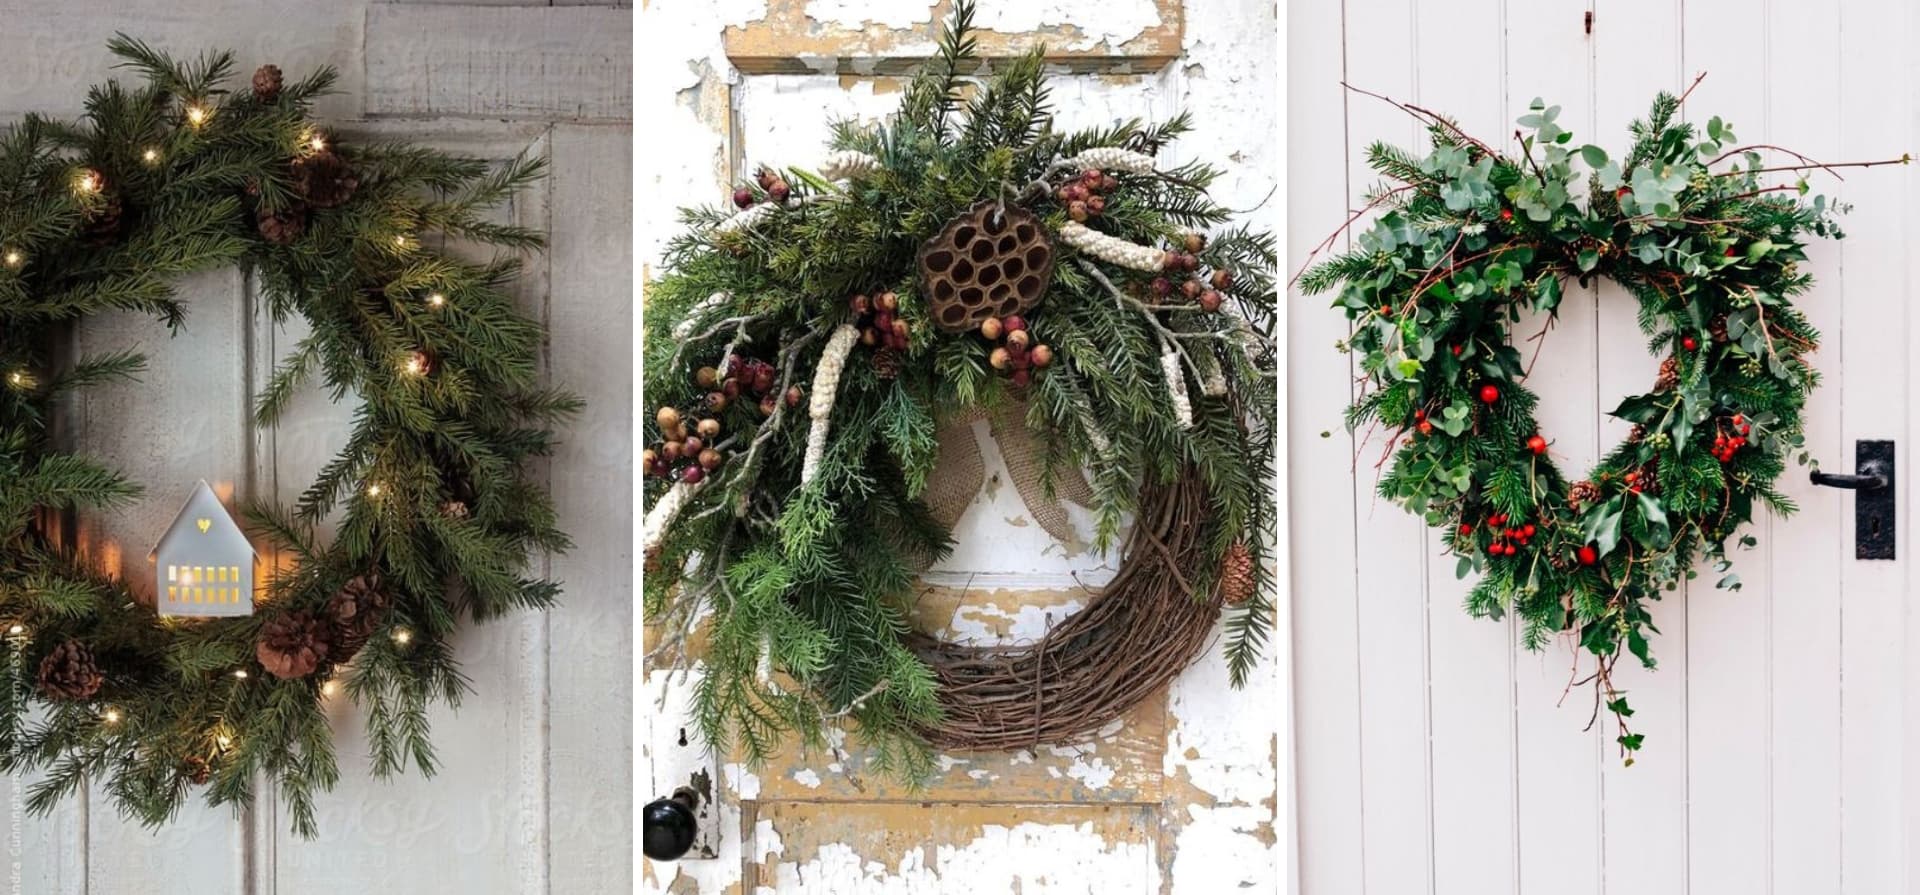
(1466, 239)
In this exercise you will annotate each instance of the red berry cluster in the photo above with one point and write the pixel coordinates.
(684, 455)
(752, 377)
(876, 316)
(1019, 353)
(1421, 422)
(771, 184)
(1636, 481)
(1724, 445)
(1086, 196)
(1507, 541)
(1203, 291)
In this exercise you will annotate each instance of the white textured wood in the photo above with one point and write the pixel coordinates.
(1779, 745)
(564, 63)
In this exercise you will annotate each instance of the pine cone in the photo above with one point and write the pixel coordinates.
(266, 83)
(69, 672)
(103, 226)
(196, 770)
(356, 613)
(1717, 327)
(324, 179)
(1582, 493)
(1636, 434)
(886, 363)
(292, 644)
(1236, 575)
(455, 509)
(282, 228)
(1669, 375)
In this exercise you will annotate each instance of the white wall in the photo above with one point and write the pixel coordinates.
(534, 795)
(1431, 754)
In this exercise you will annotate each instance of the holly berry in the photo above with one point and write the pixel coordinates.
(1689, 343)
(1497, 519)
(743, 197)
(1623, 192)
(1493, 549)
(1506, 215)
(1466, 528)
(1729, 251)
(1588, 556)
(1739, 419)
(1527, 530)
(1456, 351)
(1489, 393)
(1419, 415)
(1537, 444)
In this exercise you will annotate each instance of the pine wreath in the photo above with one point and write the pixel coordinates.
(1467, 239)
(804, 347)
(175, 175)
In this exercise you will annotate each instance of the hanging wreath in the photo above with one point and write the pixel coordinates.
(1468, 239)
(805, 347)
(432, 514)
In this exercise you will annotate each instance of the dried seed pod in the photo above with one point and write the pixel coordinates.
(992, 261)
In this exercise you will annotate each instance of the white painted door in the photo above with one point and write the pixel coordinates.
(1782, 753)
(533, 792)
(1181, 798)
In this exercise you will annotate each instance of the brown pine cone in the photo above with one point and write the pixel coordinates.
(282, 228)
(886, 363)
(292, 644)
(1636, 434)
(1717, 327)
(324, 179)
(266, 83)
(1582, 493)
(69, 672)
(103, 226)
(1236, 575)
(196, 770)
(356, 613)
(1669, 375)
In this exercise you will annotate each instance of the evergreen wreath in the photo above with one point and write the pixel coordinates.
(1467, 239)
(434, 514)
(804, 347)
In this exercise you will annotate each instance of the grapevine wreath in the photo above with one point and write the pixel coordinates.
(1467, 239)
(432, 512)
(805, 346)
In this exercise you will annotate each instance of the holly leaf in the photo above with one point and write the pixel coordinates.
(1656, 517)
(1601, 527)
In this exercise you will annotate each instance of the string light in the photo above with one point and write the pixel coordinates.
(17, 629)
(417, 364)
(89, 181)
(329, 688)
(20, 379)
(224, 740)
(402, 636)
(240, 673)
(111, 716)
(436, 301)
(401, 242)
(317, 142)
(373, 489)
(13, 258)
(150, 156)
(197, 114)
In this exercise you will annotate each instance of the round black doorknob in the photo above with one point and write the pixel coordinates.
(669, 826)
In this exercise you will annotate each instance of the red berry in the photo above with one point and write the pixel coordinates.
(1588, 555)
(1623, 192)
(1014, 323)
(1419, 415)
(1426, 428)
(1527, 531)
(1506, 214)
(1537, 444)
(1456, 351)
(743, 197)
(1511, 550)
(1162, 287)
(1021, 378)
(1489, 394)
(779, 191)
(1498, 519)
(1729, 251)
(1096, 205)
(1465, 529)
(1091, 177)
(1493, 549)
(692, 475)
(1739, 419)
(1689, 343)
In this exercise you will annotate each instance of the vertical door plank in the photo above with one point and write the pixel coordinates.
(1638, 54)
(1874, 404)
(1471, 665)
(1808, 553)
(1728, 666)
(590, 815)
(185, 419)
(1320, 492)
(1390, 546)
(1557, 778)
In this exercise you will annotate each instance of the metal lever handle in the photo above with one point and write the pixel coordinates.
(1870, 478)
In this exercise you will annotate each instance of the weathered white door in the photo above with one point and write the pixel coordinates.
(1180, 798)
(533, 791)
(1782, 751)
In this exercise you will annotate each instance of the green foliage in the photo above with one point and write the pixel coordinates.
(1465, 240)
(104, 214)
(808, 585)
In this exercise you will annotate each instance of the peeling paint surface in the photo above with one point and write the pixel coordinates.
(1181, 795)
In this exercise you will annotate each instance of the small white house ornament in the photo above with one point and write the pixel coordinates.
(203, 565)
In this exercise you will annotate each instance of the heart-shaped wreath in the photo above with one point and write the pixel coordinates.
(1467, 239)
(805, 347)
(432, 511)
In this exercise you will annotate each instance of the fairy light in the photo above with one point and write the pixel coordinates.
(402, 636)
(416, 364)
(317, 142)
(373, 489)
(17, 629)
(401, 242)
(224, 740)
(111, 716)
(20, 379)
(240, 673)
(198, 114)
(89, 182)
(329, 688)
(436, 301)
(150, 156)
(13, 258)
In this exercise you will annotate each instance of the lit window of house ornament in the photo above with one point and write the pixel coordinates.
(204, 563)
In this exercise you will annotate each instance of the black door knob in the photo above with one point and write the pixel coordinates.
(669, 826)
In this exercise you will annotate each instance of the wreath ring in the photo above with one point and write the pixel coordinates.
(432, 511)
(1466, 240)
(804, 348)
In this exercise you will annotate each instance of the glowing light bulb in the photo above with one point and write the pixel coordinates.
(223, 740)
(329, 688)
(417, 364)
(436, 300)
(198, 114)
(401, 242)
(402, 636)
(317, 143)
(17, 379)
(89, 181)
(111, 716)
(13, 258)
(240, 673)
(17, 629)
(150, 156)
(373, 490)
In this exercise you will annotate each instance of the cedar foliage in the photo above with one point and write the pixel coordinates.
(813, 582)
(188, 196)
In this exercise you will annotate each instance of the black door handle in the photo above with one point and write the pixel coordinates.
(1868, 479)
(669, 825)
(1874, 512)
